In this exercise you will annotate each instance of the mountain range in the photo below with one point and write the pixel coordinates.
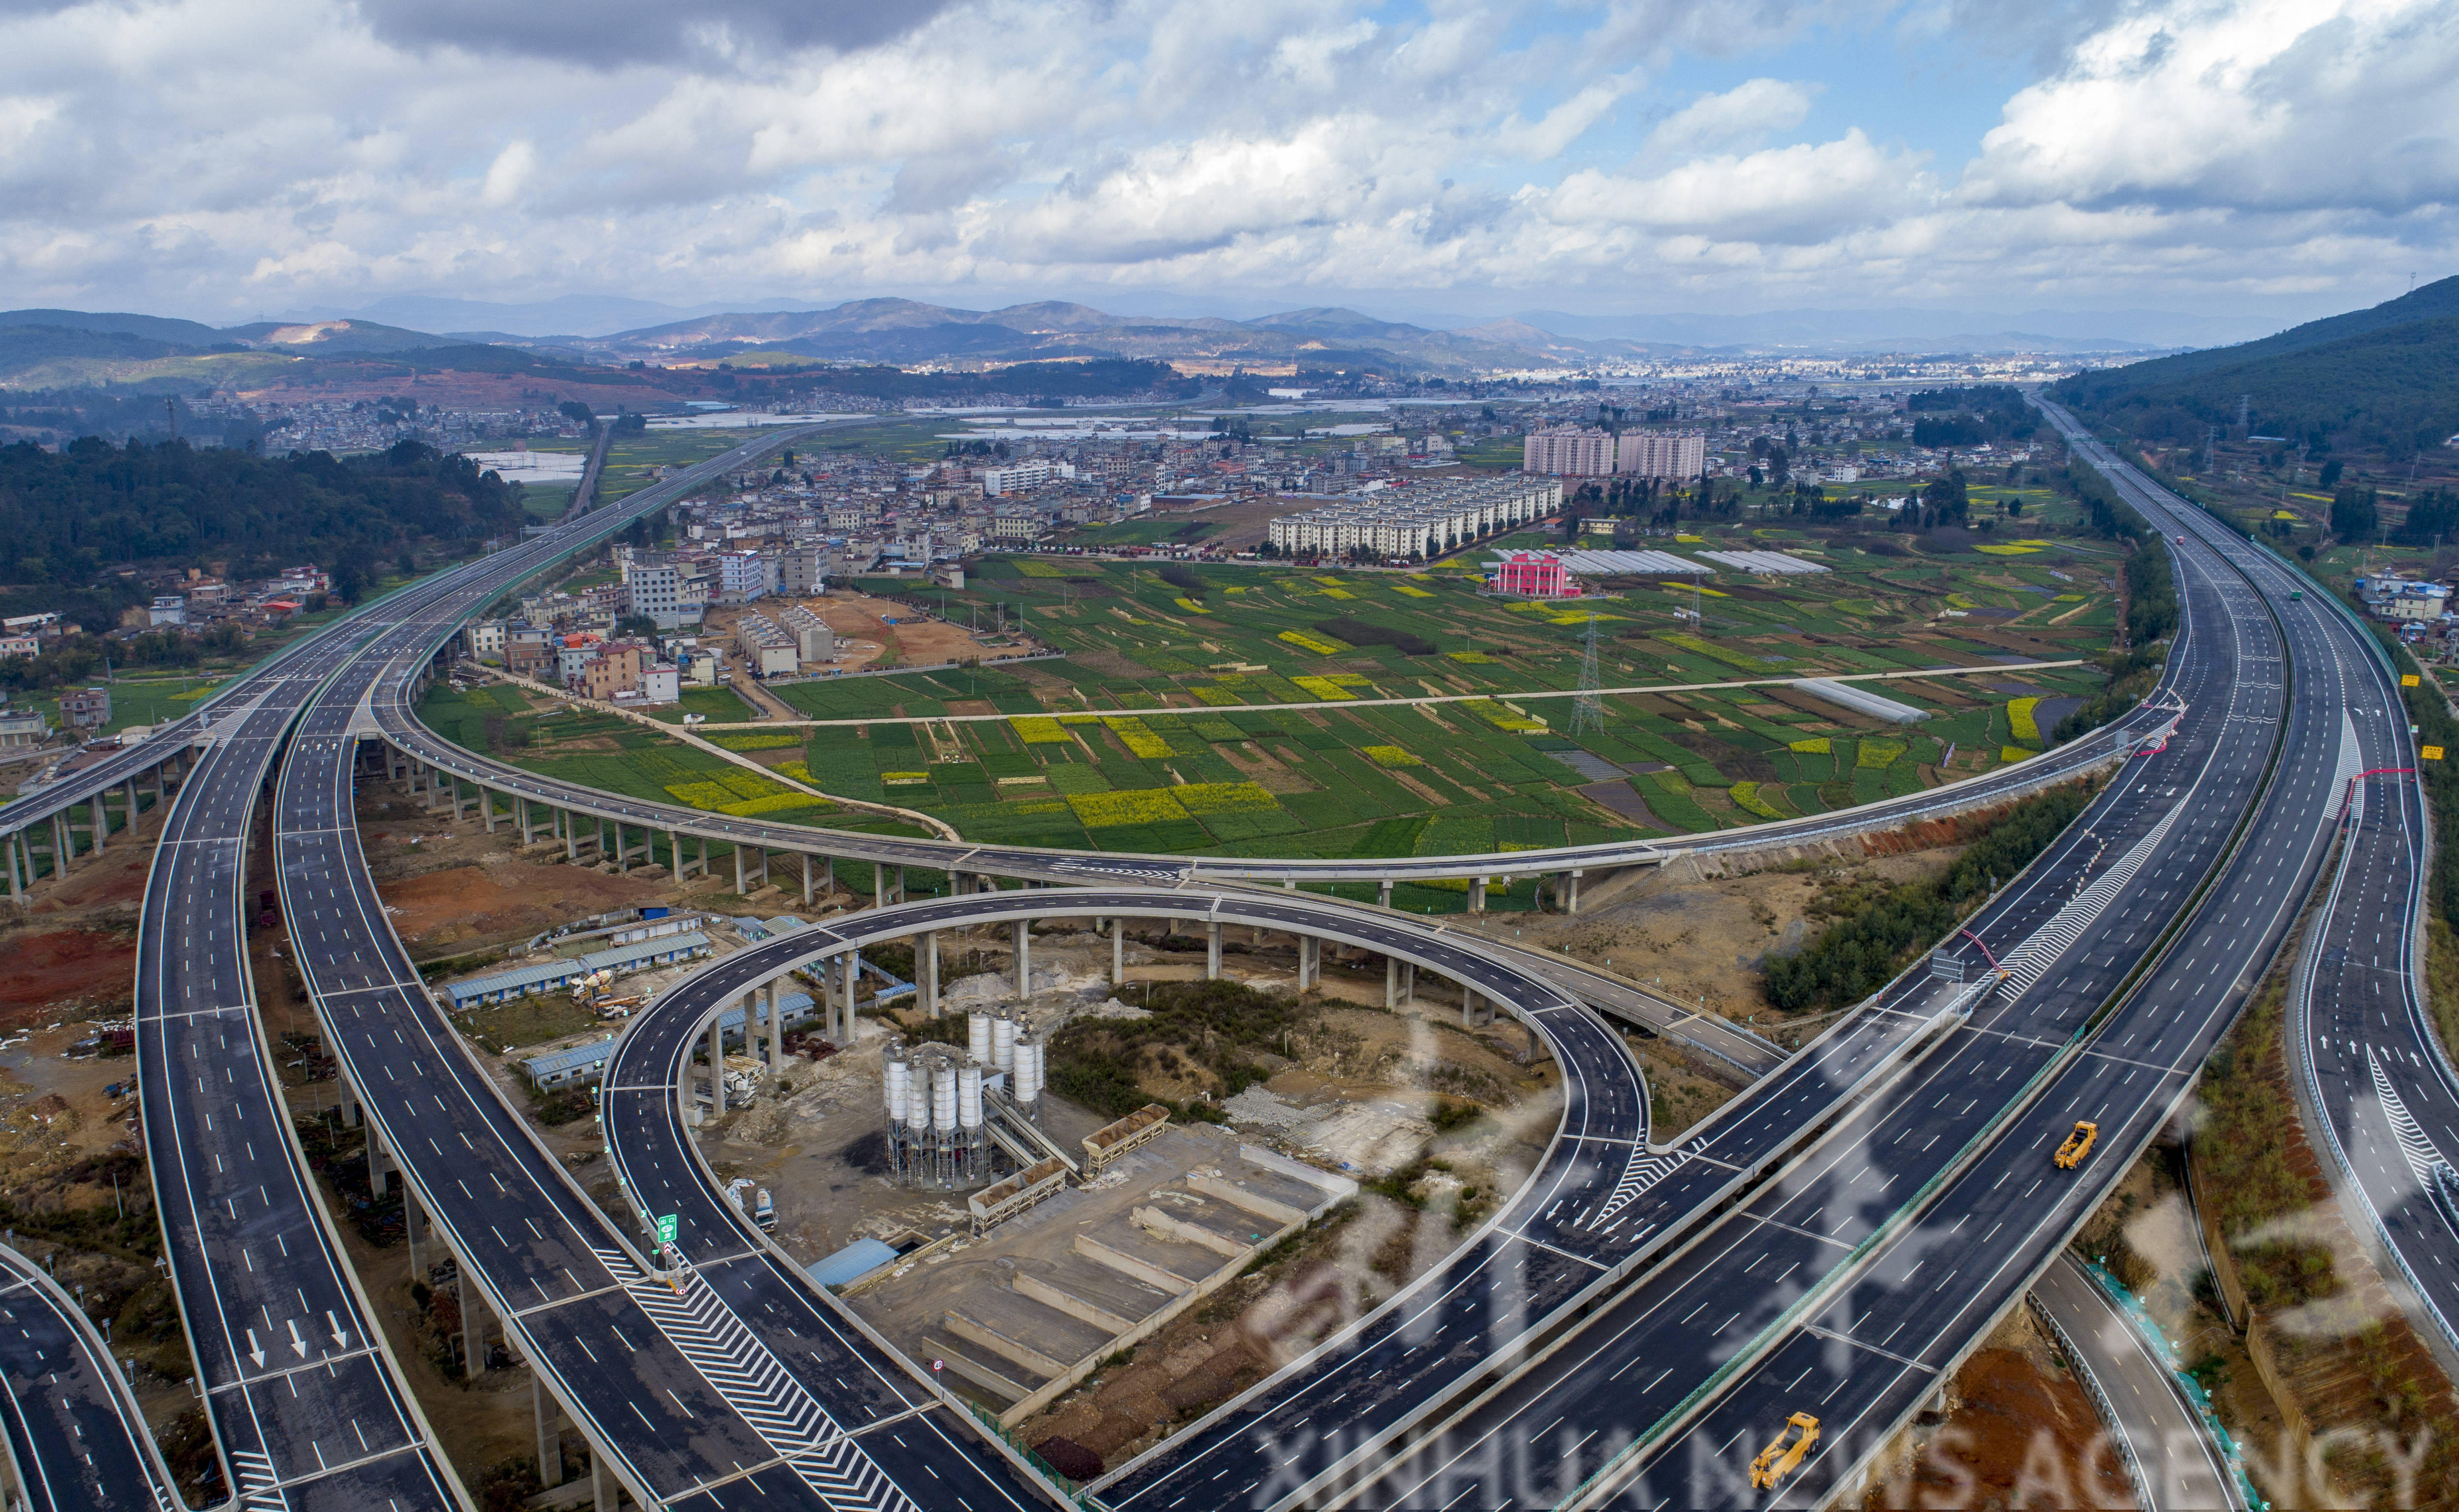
(58, 348)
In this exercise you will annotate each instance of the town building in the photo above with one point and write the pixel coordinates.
(1420, 522)
(654, 591)
(86, 709)
(1532, 575)
(1661, 453)
(1569, 452)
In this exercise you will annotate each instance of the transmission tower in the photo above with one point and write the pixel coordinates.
(1588, 711)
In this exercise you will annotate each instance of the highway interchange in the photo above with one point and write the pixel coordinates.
(1584, 1351)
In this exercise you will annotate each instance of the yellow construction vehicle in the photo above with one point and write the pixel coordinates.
(2078, 1144)
(1776, 1462)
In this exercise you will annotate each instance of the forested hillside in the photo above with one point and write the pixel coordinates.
(2383, 379)
(69, 520)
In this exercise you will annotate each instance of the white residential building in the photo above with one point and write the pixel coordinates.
(1405, 524)
(655, 592)
(1661, 453)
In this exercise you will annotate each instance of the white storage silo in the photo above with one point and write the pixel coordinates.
(978, 1036)
(969, 1096)
(943, 1096)
(1002, 1055)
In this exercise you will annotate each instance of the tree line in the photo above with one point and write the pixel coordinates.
(74, 522)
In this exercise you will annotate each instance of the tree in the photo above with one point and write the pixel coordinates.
(2353, 513)
(2331, 472)
(578, 413)
(1949, 503)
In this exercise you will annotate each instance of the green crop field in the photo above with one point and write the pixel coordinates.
(1134, 741)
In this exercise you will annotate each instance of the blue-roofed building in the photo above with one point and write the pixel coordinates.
(579, 1066)
(851, 1263)
(554, 976)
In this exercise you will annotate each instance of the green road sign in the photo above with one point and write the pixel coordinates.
(666, 1228)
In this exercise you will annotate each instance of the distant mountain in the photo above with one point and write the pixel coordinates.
(154, 328)
(2435, 300)
(569, 315)
(333, 338)
(2387, 376)
(902, 330)
(1908, 330)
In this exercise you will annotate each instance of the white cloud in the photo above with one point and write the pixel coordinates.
(1741, 115)
(217, 158)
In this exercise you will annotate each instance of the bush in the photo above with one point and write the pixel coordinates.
(1855, 957)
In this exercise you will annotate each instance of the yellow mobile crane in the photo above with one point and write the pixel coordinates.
(2078, 1144)
(1776, 1462)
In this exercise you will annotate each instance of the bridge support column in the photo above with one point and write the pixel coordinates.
(16, 893)
(1213, 949)
(474, 1325)
(878, 883)
(776, 1029)
(1570, 891)
(1383, 892)
(63, 844)
(1477, 895)
(619, 843)
(550, 1431)
(1310, 961)
(409, 1230)
(742, 884)
(602, 1485)
(1022, 931)
(807, 879)
(97, 814)
(487, 807)
(926, 972)
(675, 852)
(717, 1067)
(132, 806)
(1409, 983)
(900, 884)
(1118, 952)
(764, 866)
(849, 973)
(571, 836)
(1391, 982)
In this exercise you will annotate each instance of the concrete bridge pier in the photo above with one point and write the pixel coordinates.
(1118, 952)
(716, 1068)
(1477, 894)
(1021, 933)
(1213, 949)
(926, 972)
(550, 1431)
(476, 1323)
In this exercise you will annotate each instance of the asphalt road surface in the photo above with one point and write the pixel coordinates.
(74, 1432)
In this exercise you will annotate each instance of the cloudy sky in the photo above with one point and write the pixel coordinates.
(226, 158)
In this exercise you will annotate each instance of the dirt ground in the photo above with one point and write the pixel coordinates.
(1702, 940)
(865, 635)
(2015, 1429)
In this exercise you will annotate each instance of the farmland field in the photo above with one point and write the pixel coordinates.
(1133, 743)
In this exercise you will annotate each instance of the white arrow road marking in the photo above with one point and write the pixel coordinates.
(341, 1335)
(296, 1342)
(255, 1351)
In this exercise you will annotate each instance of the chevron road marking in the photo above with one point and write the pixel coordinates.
(741, 1371)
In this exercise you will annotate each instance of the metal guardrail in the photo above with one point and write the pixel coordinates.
(2100, 1403)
